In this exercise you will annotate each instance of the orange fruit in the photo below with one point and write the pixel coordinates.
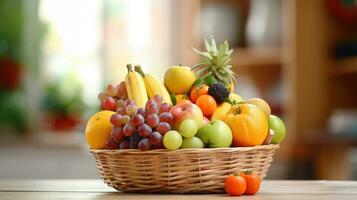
(235, 185)
(198, 91)
(248, 123)
(252, 181)
(98, 129)
(207, 104)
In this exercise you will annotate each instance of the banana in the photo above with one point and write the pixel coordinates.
(136, 87)
(154, 86)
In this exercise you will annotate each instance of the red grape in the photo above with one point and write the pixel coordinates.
(117, 134)
(102, 96)
(158, 99)
(148, 103)
(111, 144)
(122, 89)
(152, 109)
(125, 119)
(165, 107)
(159, 146)
(129, 129)
(155, 138)
(144, 144)
(125, 144)
(138, 119)
(166, 117)
(108, 103)
(163, 127)
(142, 112)
(121, 110)
(112, 90)
(129, 102)
(144, 130)
(116, 119)
(119, 103)
(131, 109)
(152, 120)
(134, 140)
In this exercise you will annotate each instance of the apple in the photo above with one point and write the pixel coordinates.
(205, 120)
(193, 142)
(215, 134)
(183, 111)
(188, 128)
(278, 126)
(179, 79)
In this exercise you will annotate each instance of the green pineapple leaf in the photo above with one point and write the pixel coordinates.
(208, 47)
(213, 45)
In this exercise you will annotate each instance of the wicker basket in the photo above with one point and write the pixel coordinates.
(180, 171)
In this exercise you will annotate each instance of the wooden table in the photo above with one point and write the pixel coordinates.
(96, 189)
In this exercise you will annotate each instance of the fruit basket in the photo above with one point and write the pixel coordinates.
(180, 171)
(190, 134)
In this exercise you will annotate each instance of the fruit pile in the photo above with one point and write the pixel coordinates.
(194, 108)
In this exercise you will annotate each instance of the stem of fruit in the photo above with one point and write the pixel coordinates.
(237, 109)
(129, 67)
(139, 70)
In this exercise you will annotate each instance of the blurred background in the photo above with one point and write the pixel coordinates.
(56, 56)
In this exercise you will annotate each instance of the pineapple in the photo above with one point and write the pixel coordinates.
(215, 62)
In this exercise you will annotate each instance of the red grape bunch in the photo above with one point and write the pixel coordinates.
(113, 97)
(140, 128)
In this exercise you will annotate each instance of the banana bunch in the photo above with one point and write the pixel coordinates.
(154, 86)
(135, 87)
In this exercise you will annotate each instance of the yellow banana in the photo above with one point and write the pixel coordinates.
(154, 86)
(136, 87)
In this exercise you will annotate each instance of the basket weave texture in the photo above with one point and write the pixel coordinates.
(181, 171)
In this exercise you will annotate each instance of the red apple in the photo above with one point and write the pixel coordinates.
(184, 111)
(205, 120)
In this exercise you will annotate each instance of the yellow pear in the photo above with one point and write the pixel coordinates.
(261, 104)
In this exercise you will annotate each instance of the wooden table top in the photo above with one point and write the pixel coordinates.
(96, 189)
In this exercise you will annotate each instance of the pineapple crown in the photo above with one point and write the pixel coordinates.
(215, 62)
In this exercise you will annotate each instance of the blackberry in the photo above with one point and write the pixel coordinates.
(218, 91)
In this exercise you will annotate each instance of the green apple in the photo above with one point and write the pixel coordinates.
(278, 126)
(172, 140)
(193, 142)
(188, 128)
(215, 134)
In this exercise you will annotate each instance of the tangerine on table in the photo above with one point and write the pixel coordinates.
(207, 104)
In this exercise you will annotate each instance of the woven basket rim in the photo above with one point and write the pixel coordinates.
(188, 150)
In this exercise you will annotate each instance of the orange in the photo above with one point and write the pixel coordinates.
(235, 185)
(98, 129)
(252, 181)
(198, 91)
(207, 104)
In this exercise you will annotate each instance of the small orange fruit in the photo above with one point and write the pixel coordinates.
(98, 129)
(235, 185)
(198, 91)
(207, 104)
